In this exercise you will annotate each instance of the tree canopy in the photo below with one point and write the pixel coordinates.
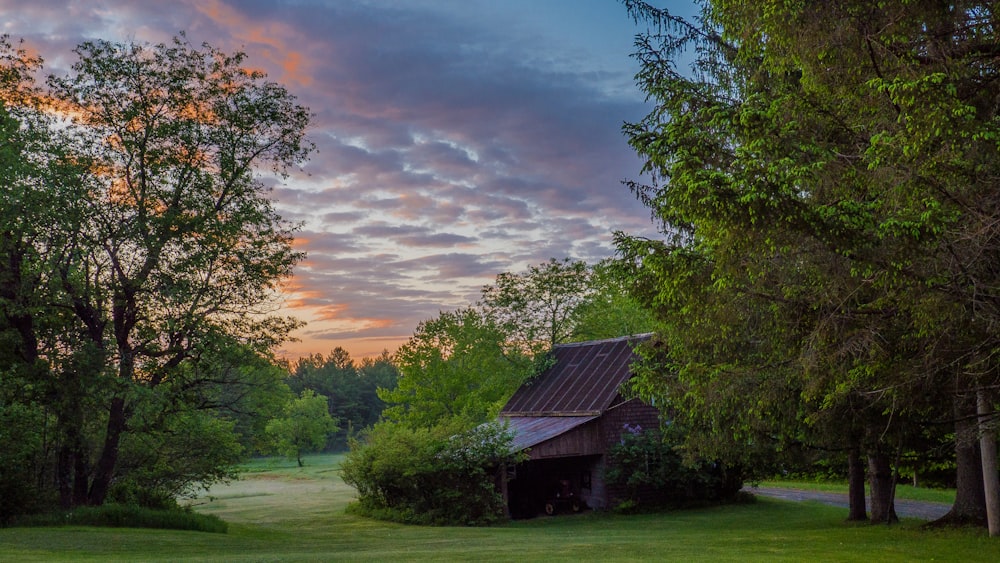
(304, 427)
(468, 362)
(457, 366)
(146, 301)
(825, 178)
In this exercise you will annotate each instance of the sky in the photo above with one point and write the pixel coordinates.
(456, 139)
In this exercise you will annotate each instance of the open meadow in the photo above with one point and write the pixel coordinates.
(279, 512)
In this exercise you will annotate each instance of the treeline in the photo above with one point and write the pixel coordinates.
(350, 389)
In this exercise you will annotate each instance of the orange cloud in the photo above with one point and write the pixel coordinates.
(332, 312)
(267, 34)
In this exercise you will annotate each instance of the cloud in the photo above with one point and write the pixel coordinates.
(449, 148)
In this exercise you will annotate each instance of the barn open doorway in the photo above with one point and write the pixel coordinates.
(553, 486)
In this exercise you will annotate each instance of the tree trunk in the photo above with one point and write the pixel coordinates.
(63, 478)
(105, 470)
(969, 507)
(988, 448)
(71, 463)
(80, 475)
(15, 288)
(856, 487)
(71, 470)
(882, 491)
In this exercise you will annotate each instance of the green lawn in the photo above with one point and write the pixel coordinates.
(279, 512)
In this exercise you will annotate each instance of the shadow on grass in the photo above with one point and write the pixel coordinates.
(124, 516)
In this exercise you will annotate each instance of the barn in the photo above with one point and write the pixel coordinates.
(567, 419)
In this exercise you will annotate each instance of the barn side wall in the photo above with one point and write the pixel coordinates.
(612, 425)
(582, 440)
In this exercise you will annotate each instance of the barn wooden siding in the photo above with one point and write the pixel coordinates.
(612, 426)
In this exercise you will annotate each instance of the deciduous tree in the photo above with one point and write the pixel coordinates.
(536, 308)
(305, 426)
(350, 389)
(139, 247)
(608, 309)
(459, 365)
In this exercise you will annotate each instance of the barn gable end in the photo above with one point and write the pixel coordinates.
(567, 419)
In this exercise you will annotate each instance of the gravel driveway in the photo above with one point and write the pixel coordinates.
(904, 508)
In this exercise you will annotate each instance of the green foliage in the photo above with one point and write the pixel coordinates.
(113, 515)
(609, 310)
(650, 467)
(21, 449)
(137, 317)
(536, 308)
(820, 174)
(305, 426)
(173, 456)
(350, 389)
(457, 365)
(457, 372)
(441, 475)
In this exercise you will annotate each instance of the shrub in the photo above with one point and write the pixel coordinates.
(437, 476)
(130, 493)
(648, 465)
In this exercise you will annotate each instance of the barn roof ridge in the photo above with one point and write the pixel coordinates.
(641, 336)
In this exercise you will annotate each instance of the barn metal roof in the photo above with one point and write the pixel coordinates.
(584, 380)
(533, 430)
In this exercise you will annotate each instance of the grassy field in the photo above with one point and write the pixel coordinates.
(279, 512)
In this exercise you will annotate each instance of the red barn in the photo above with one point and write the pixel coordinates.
(567, 419)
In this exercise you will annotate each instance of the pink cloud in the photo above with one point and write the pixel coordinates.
(449, 150)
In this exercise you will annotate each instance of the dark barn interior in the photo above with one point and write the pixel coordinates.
(552, 486)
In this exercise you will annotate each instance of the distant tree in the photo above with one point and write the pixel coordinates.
(378, 372)
(537, 308)
(305, 426)
(324, 375)
(350, 389)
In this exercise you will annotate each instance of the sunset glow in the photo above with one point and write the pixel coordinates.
(455, 139)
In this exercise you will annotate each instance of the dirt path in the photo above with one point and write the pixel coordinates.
(904, 508)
